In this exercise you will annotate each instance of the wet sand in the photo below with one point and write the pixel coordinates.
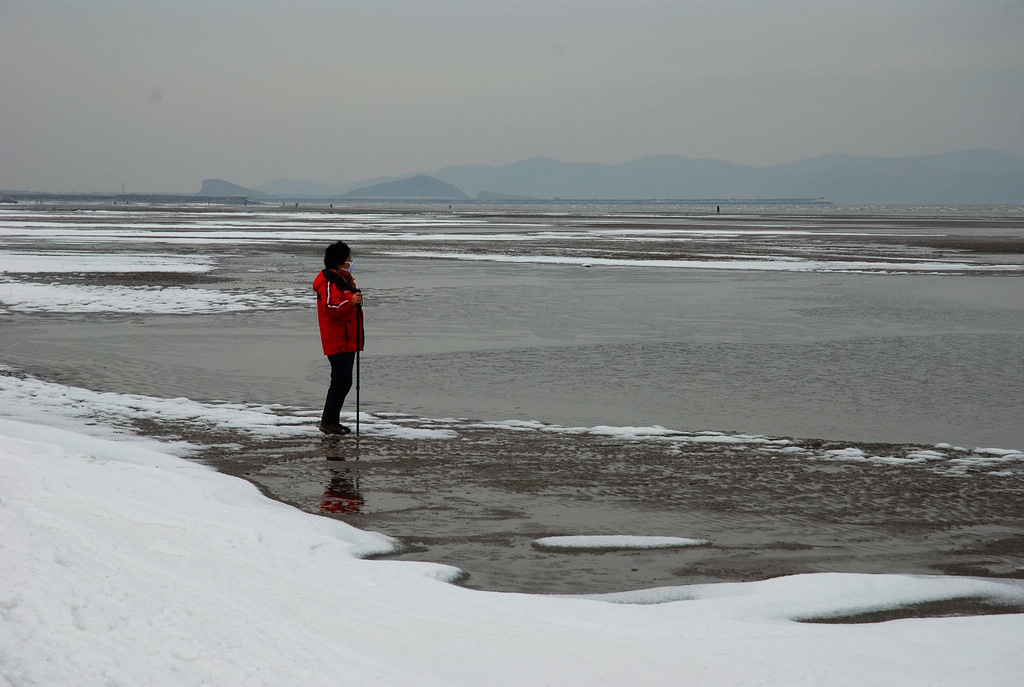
(870, 362)
(479, 501)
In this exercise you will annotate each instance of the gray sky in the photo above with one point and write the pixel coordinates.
(159, 95)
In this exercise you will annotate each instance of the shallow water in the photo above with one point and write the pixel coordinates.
(891, 333)
(481, 500)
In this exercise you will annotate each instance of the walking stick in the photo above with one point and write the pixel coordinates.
(359, 344)
(357, 393)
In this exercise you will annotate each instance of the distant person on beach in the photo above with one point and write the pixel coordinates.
(340, 314)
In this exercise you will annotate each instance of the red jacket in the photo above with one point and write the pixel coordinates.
(341, 320)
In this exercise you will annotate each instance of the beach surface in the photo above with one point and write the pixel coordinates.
(651, 405)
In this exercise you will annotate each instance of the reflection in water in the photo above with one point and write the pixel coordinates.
(342, 493)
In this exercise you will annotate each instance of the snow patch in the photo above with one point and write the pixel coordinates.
(616, 541)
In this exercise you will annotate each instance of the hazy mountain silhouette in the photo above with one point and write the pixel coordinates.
(420, 186)
(218, 188)
(966, 177)
(975, 176)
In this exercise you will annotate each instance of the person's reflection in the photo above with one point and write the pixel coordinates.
(342, 494)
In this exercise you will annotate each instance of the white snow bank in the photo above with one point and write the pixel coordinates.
(765, 263)
(615, 541)
(168, 300)
(81, 262)
(122, 565)
(823, 596)
(33, 400)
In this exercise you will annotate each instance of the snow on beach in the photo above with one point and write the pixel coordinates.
(122, 563)
(29, 262)
(741, 243)
(31, 399)
(763, 263)
(168, 300)
(34, 297)
(125, 565)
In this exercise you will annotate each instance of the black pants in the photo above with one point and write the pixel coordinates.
(341, 382)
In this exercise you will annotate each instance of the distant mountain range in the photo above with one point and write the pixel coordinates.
(967, 177)
(419, 186)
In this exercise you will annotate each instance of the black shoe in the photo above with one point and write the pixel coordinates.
(335, 429)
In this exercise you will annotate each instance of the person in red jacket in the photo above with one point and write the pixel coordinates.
(340, 314)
